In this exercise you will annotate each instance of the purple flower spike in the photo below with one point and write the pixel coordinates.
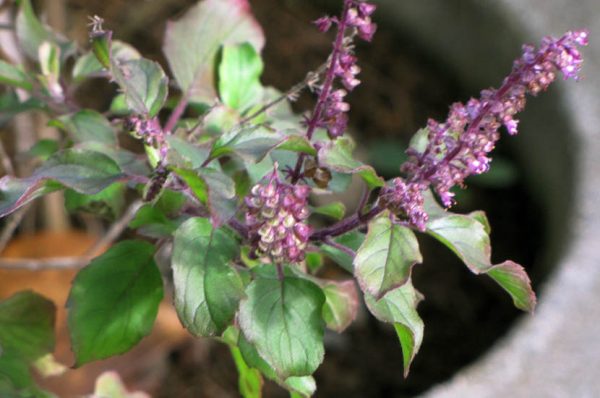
(405, 200)
(276, 216)
(459, 147)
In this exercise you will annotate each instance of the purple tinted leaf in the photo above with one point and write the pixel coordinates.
(468, 237)
(385, 259)
(192, 42)
(144, 84)
(83, 171)
(513, 278)
(341, 304)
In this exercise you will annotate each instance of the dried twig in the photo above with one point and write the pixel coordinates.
(11, 226)
(75, 262)
(6, 162)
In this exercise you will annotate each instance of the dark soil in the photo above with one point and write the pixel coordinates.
(403, 86)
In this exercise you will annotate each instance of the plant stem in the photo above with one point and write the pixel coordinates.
(176, 114)
(292, 92)
(326, 89)
(330, 242)
(346, 225)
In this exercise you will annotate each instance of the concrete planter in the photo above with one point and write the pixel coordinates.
(555, 353)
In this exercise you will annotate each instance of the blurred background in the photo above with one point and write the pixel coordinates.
(407, 78)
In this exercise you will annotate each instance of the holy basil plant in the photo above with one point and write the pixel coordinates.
(226, 175)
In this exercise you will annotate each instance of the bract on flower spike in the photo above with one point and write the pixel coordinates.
(276, 215)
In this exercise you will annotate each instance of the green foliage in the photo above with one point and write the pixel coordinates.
(385, 259)
(398, 307)
(114, 301)
(144, 84)
(207, 288)
(282, 318)
(83, 171)
(196, 168)
(26, 325)
(337, 155)
(468, 237)
(14, 76)
(192, 43)
(239, 76)
(341, 304)
(87, 126)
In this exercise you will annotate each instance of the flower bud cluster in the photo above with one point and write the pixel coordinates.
(459, 147)
(344, 66)
(406, 201)
(277, 219)
(150, 132)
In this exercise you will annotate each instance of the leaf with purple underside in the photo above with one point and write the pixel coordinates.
(192, 43)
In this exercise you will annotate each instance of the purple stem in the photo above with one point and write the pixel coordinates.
(346, 225)
(474, 126)
(329, 78)
(176, 114)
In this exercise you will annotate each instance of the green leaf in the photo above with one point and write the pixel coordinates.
(43, 149)
(303, 385)
(114, 301)
(13, 76)
(337, 155)
(191, 43)
(214, 189)
(335, 210)
(27, 325)
(351, 240)
(341, 304)
(144, 84)
(399, 307)
(110, 385)
(207, 288)
(250, 380)
(239, 76)
(385, 259)
(88, 65)
(254, 144)
(297, 143)
(282, 319)
(152, 222)
(468, 237)
(182, 151)
(31, 33)
(15, 377)
(10, 105)
(87, 126)
(86, 172)
(108, 203)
